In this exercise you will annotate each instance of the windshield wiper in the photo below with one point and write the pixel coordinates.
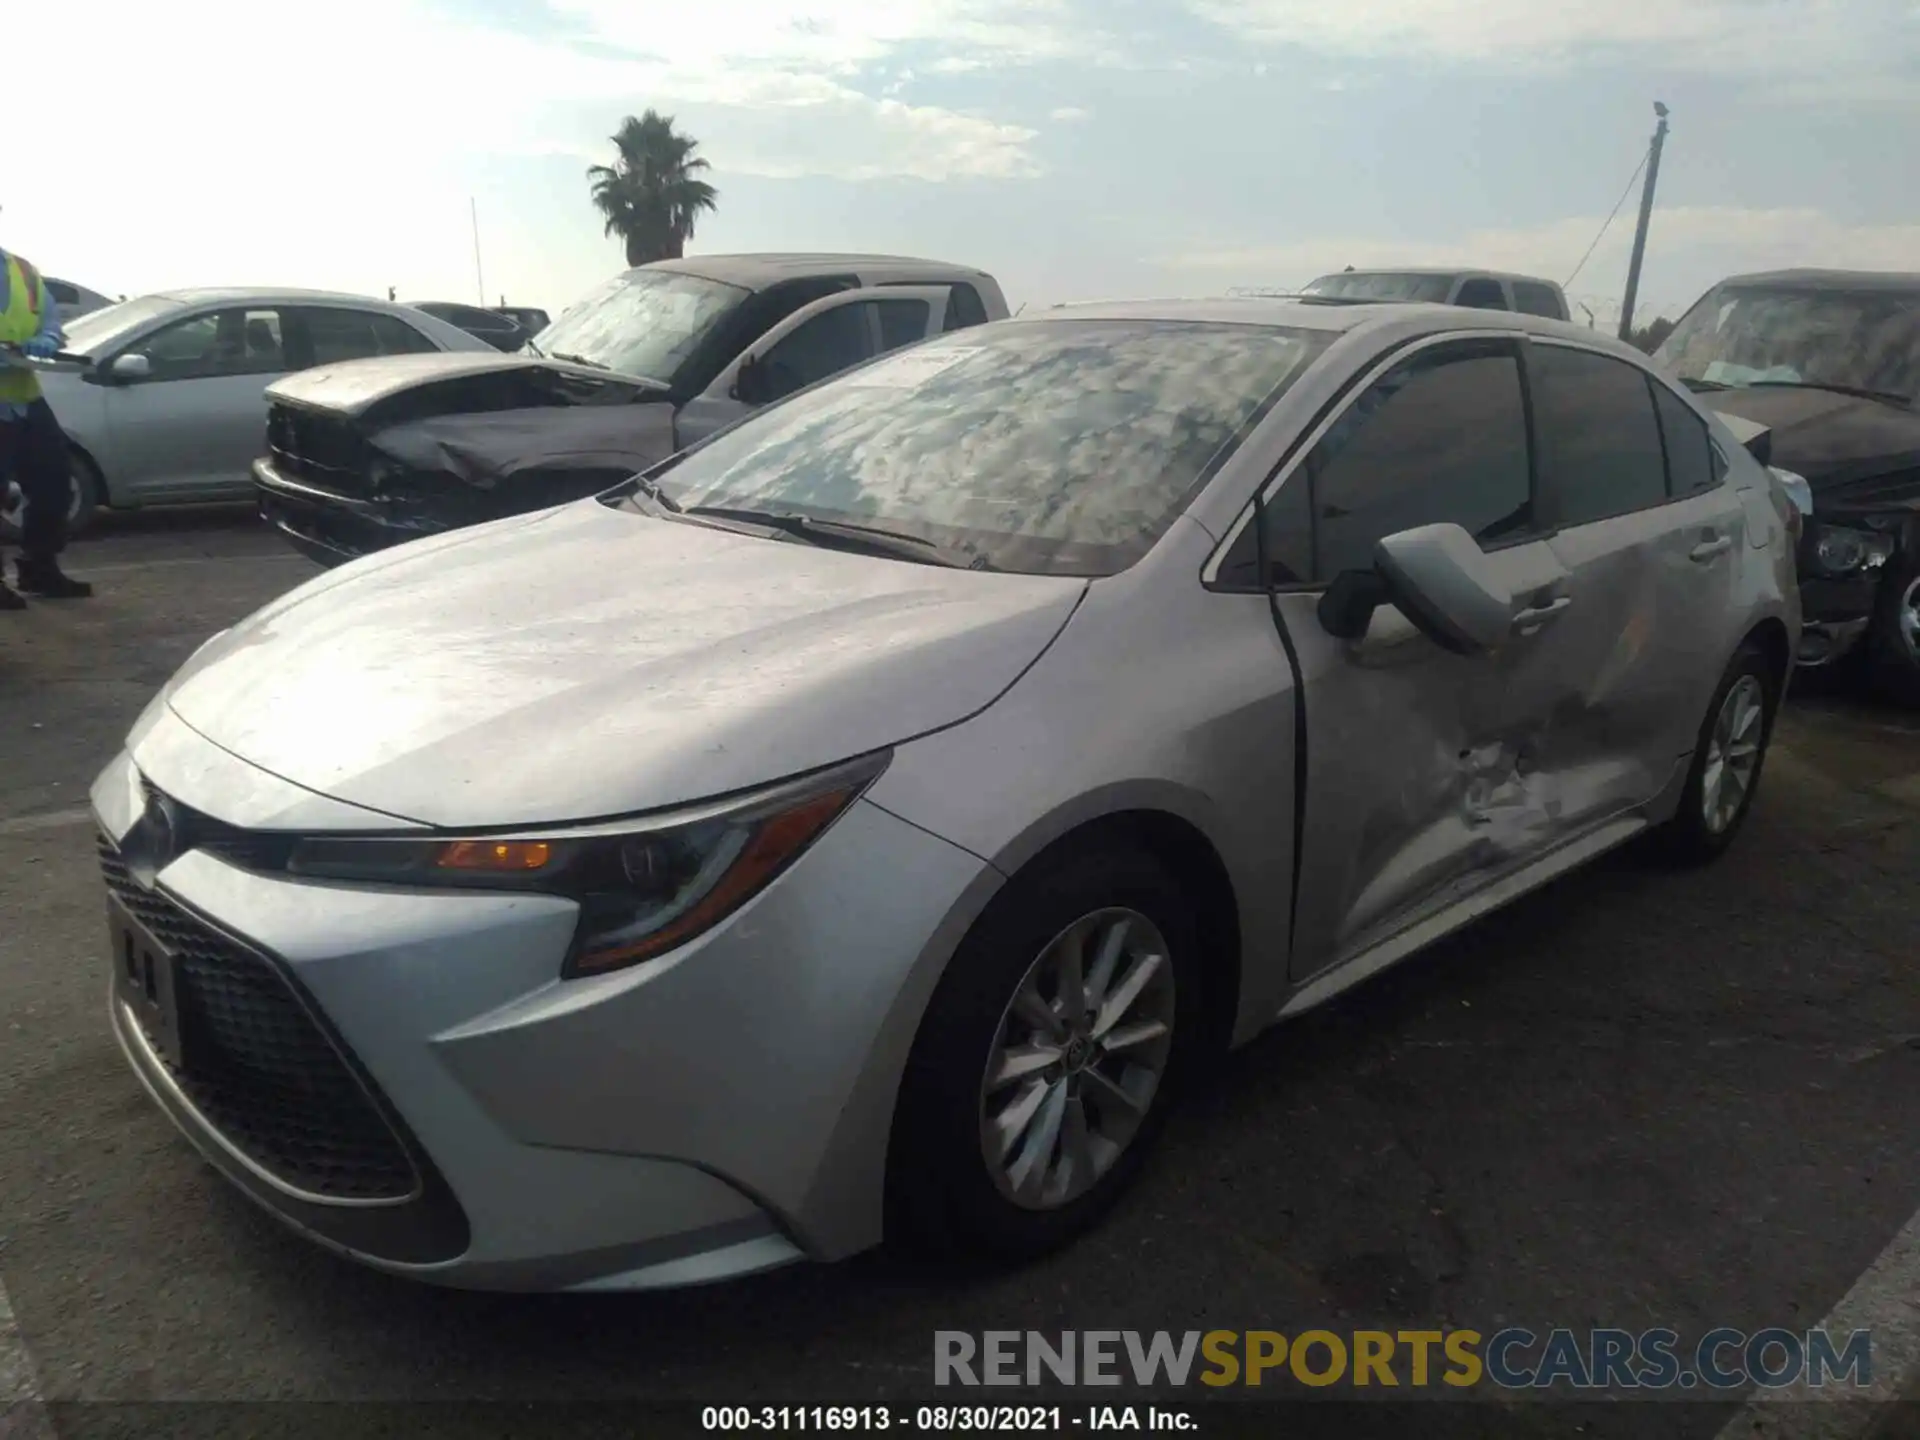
(871, 538)
(1903, 401)
(578, 360)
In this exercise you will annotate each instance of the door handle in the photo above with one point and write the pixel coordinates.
(1707, 549)
(1534, 616)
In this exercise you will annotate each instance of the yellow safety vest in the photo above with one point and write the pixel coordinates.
(27, 300)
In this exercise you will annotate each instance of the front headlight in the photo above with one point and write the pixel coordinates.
(643, 889)
(1839, 551)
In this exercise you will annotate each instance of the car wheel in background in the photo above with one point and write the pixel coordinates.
(1048, 1058)
(1727, 761)
(1893, 643)
(83, 502)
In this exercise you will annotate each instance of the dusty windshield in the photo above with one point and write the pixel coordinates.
(1061, 447)
(101, 329)
(644, 323)
(1431, 289)
(1860, 340)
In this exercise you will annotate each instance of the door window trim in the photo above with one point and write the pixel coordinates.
(1356, 387)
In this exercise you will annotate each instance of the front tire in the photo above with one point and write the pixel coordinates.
(84, 491)
(1727, 760)
(1893, 642)
(1048, 1059)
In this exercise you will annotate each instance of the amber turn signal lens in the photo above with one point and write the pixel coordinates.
(495, 855)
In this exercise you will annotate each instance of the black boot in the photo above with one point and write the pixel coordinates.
(43, 577)
(10, 598)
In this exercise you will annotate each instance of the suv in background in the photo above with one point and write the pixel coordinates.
(76, 300)
(1475, 289)
(662, 356)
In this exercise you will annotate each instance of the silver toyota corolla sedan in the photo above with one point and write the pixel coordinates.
(861, 824)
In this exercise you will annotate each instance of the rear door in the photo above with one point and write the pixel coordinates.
(193, 426)
(1417, 788)
(1649, 531)
(813, 343)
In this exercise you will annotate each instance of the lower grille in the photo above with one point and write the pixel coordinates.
(258, 1066)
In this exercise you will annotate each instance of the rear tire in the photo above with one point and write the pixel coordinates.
(1893, 642)
(946, 1195)
(1728, 757)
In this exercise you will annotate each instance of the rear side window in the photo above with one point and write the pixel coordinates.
(334, 335)
(1442, 437)
(1481, 294)
(1600, 450)
(964, 308)
(1690, 454)
(1532, 298)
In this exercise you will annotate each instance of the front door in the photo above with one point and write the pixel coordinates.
(813, 343)
(1421, 780)
(194, 425)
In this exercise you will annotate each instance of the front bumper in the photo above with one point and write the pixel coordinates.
(327, 528)
(713, 1113)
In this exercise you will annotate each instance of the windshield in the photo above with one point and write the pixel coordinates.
(1856, 339)
(644, 323)
(1430, 288)
(1062, 447)
(103, 328)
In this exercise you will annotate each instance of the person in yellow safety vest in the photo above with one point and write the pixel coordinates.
(33, 447)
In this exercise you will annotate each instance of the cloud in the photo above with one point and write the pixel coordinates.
(1068, 114)
(1840, 40)
(1689, 247)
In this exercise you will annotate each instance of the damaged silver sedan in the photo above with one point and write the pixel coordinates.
(860, 823)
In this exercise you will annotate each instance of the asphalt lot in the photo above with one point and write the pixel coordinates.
(1634, 1099)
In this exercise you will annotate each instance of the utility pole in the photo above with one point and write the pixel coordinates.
(1646, 216)
(479, 276)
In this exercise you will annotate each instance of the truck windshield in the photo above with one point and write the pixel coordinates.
(1380, 285)
(643, 323)
(1864, 340)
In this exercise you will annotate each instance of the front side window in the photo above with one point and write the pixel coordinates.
(1747, 335)
(218, 343)
(644, 322)
(1600, 450)
(1060, 447)
(1482, 294)
(1530, 297)
(1441, 437)
(832, 341)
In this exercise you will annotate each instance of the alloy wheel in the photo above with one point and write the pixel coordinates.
(1906, 619)
(1733, 754)
(1077, 1059)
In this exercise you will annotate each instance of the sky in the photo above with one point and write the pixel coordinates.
(1077, 149)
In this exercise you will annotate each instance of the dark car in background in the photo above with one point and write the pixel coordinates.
(496, 327)
(367, 455)
(1829, 362)
(530, 320)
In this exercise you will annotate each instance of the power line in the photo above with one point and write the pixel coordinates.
(1608, 222)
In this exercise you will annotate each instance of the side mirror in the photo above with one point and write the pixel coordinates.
(752, 385)
(130, 367)
(1441, 580)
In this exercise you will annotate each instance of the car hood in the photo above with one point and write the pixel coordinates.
(589, 662)
(1854, 451)
(355, 388)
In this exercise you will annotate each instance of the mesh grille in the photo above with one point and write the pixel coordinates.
(316, 449)
(258, 1067)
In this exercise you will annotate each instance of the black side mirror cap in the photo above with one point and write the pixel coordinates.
(750, 385)
(1346, 606)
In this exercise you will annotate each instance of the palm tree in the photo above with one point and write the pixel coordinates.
(652, 194)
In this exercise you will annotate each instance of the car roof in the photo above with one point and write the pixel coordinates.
(1348, 316)
(265, 295)
(1440, 270)
(1831, 279)
(757, 271)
